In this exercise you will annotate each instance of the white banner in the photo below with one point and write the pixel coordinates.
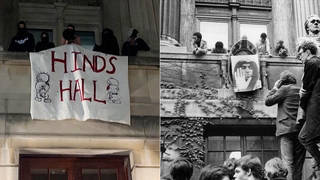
(245, 73)
(70, 82)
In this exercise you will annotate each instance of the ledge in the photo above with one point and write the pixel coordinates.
(146, 59)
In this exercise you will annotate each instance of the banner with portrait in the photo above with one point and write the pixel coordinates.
(245, 73)
(71, 82)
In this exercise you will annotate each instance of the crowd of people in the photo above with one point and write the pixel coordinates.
(200, 47)
(24, 41)
(248, 167)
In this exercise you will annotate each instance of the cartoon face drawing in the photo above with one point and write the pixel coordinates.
(113, 89)
(42, 87)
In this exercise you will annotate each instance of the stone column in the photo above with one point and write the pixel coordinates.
(303, 9)
(283, 24)
(60, 6)
(187, 22)
(170, 19)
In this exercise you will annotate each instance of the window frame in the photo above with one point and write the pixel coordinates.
(74, 164)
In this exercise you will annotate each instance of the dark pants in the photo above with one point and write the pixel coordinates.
(309, 137)
(293, 155)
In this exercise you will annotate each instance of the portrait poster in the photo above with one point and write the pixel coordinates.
(245, 73)
(71, 82)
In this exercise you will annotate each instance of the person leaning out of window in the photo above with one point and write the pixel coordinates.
(199, 46)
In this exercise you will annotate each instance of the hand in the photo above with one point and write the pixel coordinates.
(277, 84)
(240, 79)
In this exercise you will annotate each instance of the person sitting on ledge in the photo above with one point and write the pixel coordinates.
(219, 48)
(199, 45)
(280, 50)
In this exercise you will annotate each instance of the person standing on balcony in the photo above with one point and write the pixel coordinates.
(134, 44)
(109, 43)
(263, 45)
(23, 41)
(199, 45)
(44, 43)
(77, 38)
(309, 135)
(286, 95)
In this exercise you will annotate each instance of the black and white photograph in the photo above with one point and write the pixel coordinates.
(239, 89)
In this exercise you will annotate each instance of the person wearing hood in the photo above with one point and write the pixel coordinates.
(44, 43)
(134, 44)
(23, 41)
(109, 43)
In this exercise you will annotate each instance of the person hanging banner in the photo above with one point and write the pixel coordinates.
(70, 82)
(245, 73)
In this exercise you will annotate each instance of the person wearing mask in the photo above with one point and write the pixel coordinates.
(134, 44)
(44, 43)
(23, 41)
(109, 43)
(219, 48)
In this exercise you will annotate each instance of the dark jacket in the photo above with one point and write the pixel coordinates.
(23, 41)
(287, 98)
(131, 48)
(310, 99)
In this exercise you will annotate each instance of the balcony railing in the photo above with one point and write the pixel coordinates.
(260, 3)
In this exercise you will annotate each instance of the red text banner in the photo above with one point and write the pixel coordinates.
(70, 82)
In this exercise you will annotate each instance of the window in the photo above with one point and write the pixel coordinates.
(87, 39)
(37, 34)
(213, 32)
(252, 31)
(74, 168)
(221, 148)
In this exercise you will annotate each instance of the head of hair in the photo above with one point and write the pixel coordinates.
(275, 168)
(306, 23)
(211, 172)
(198, 35)
(219, 45)
(263, 35)
(69, 35)
(21, 22)
(251, 163)
(71, 26)
(181, 169)
(230, 164)
(288, 77)
(254, 67)
(307, 44)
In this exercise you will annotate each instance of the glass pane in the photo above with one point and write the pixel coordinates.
(215, 158)
(233, 154)
(39, 174)
(269, 154)
(211, 34)
(257, 154)
(58, 174)
(87, 39)
(270, 142)
(254, 142)
(232, 142)
(215, 143)
(108, 174)
(253, 32)
(90, 174)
